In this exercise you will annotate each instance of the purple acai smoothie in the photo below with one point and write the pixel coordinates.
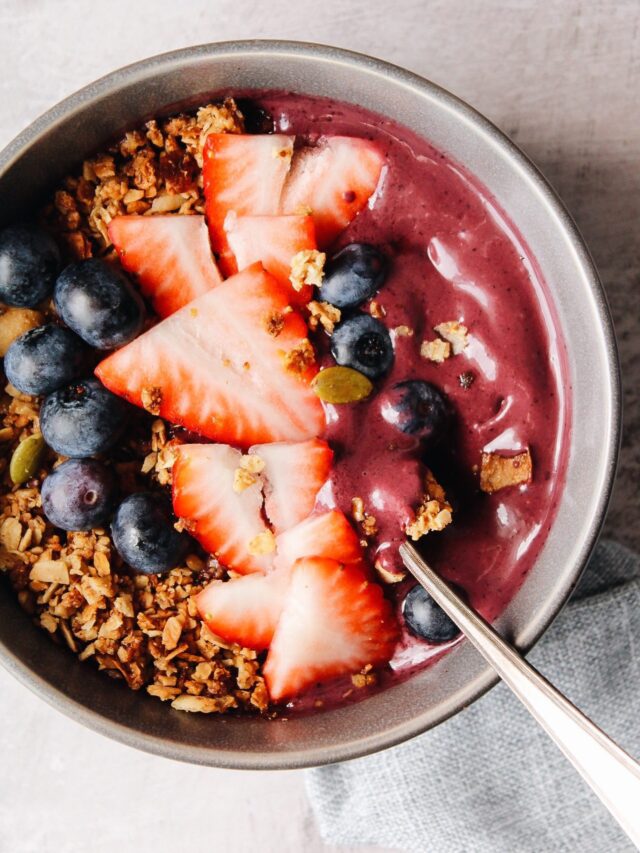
(454, 256)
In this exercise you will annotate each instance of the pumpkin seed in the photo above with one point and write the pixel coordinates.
(342, 385)
(26, 459)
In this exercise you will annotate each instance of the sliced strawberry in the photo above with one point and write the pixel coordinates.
(273, 240)
(335, 621)
(333, 181)
(294, 473)
(327, 534)
(245, 610)
(221, 369)
(244, 174)
(170, 256)
(224, 521)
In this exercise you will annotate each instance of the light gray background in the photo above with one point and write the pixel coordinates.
(563, 79)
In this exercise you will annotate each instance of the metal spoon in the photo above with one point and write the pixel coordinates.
(610, 772)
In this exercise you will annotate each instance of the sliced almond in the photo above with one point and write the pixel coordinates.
(50, 571)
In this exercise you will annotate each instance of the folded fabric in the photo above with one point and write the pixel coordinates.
(489, 780)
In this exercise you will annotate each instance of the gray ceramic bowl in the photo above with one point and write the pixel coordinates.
(60, 139)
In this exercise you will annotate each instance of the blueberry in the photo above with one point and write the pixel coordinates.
(354, 275)
(362, 342)
(416, 408)
(79, 494)
(82, 419)
(144, 535)
(44, 359)
(29, 263)
(97, 300)
(426, 619)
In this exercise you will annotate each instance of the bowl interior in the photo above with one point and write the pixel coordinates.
(76, 128)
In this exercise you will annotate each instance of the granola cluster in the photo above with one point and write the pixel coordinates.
(323, 314)
(155, 169)
(434, 513)
(367, 522)
(453, 338)
(499, 472)
(307, 268)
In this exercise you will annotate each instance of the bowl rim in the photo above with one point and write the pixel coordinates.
(109, 84)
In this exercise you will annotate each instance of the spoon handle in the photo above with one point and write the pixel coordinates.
(611, 773)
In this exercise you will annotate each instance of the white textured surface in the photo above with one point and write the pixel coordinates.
(563, 79)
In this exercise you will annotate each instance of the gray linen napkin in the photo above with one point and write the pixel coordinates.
(489, 780)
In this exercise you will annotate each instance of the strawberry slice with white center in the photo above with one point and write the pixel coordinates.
(170, 256)
(273, 240)
(335, 621)
(294, 473)
(244, 174)
(333, 181)
(234, 365)
(245, 610)
(226, 522)
(327, 534)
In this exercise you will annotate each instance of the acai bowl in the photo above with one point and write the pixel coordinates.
(474, 296)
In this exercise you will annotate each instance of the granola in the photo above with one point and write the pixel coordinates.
(436, 350)
(366, 521)
(454, 333)
(273, 322)
(307, 268)
(263, 543)
(152, 170)
(15, 322)
(453, 338)
(377, 310)
(434, 513)
(300, 358)
(142, 629)
(498, 471)
(404, 331)
(323, 314)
